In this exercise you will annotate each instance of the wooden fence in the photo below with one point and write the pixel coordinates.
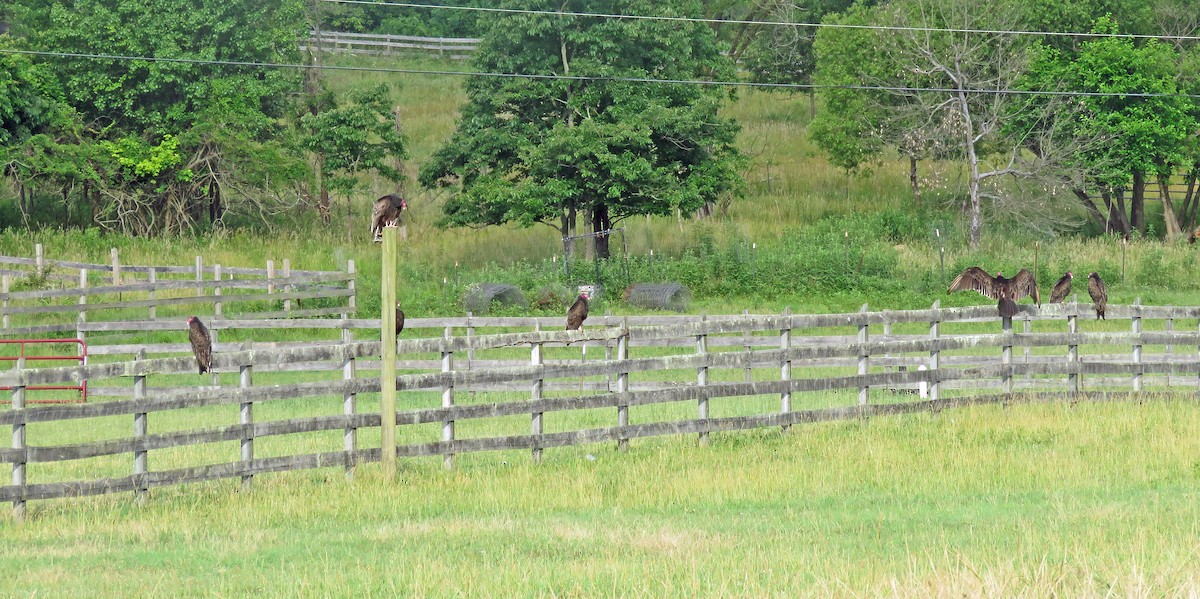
(647, 376)
(115, 290)
(376, 44)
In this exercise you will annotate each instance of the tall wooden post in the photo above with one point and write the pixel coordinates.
(535, 394)
(623, 383)
(1006, 355)
(448, 399)
(18, 442)
(785, 367)
(1136, 318)
(387, 370)
(702, 379)
(935, 388)
(863, 367)
(1073, 351)
(140, 457)
(246, 414)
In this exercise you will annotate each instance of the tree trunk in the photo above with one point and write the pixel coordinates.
(1170, 221)
(1137, 203)
(600, 226)
(912, 179)
(1117, 222)
(1090, 206)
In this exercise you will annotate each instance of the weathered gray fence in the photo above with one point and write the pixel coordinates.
(376, 44)
(675, 375)
(115, 290)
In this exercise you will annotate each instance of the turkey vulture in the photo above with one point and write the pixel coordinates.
(1008, 291)
(578, 312)
(201, 344)
(386, 212)
(1062, 288)
(399, 319)
(1099, 294)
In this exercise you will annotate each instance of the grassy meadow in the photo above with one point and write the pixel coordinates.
(1036, 499)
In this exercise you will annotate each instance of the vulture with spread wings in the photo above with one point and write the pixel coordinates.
(386, 212)
(1099, 294)
(577, 313)
(1007, 291)
(201, 344)
(1062, 288)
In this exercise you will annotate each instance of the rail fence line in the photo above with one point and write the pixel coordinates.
(125, 287)
(376, 44)
(773, 352)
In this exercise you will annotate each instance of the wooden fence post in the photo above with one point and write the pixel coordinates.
(152, 278)
(864, 391)
(749, 370)
(623, 383)
(217, 291)
(448, 399)
(935, 387)
(18, 443)
(702, 377)
(287, 287)
(1136, 318)
(83, 283)
(1170, 328)
(245, 379)
(1073, 351)
(349, 399)
(785, 367)
(535, 394)
(39, 260)
(140, 456)
(199, 275)
(5, 281)
(387, 370)
(351, 302)
(270, 277)
(1028, 330)
(1006, 355)
(116, 268)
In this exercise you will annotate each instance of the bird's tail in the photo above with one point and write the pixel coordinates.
(1099, 311)
(1008, 308)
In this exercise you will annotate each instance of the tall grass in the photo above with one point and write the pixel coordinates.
(1039, 499)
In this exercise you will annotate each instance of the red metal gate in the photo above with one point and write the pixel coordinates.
(21, 358)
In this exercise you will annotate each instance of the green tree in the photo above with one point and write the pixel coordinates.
(543, 150)
(359, 136)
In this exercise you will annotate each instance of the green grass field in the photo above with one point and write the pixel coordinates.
(1030, 500)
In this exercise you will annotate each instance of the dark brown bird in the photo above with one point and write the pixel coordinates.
(399, 319)
(1062, 288)
(1007, 291)
(1099, 294)
(201, 344)
(577, 313)
(386, 212)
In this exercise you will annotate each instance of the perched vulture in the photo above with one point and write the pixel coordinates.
(577, 313)
(1007, 291)
(201, 344)
(385, 212)
(1099, 294)
(399, 319)
(1062, 288)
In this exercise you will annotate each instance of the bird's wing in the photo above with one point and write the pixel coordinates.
(1097, 290)
(399, 320)
(379, 213)
(1022, 285)
(577, 313)
(201, 344)
(1061, 290)
(976, 279)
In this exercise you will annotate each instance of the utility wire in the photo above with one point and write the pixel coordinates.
(560, 13)
(797, 86)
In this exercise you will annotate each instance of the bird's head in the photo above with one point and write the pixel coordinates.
(584, 295)
(1093, 276)
(191, 319)
(403, 204)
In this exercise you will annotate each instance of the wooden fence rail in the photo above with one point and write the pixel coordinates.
(253, 293)
(377, 44)
(670, 372)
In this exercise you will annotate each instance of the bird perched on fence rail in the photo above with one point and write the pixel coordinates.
(201, 344)
(1007, 291)
(1099, 294)
(386, 211)
(578, 312)
(1062, 288)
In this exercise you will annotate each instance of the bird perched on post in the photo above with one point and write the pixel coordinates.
(201, 344)
(578, 312)
(386, 212)
(1062, 288)
(1007, 291)
(1099, 294)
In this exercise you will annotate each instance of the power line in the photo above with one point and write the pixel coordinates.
(715, 21)
(793, 86)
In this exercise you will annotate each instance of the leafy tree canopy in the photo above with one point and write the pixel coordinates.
(531, 150)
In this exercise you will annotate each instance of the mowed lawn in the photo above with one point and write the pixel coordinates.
(1030, 500)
